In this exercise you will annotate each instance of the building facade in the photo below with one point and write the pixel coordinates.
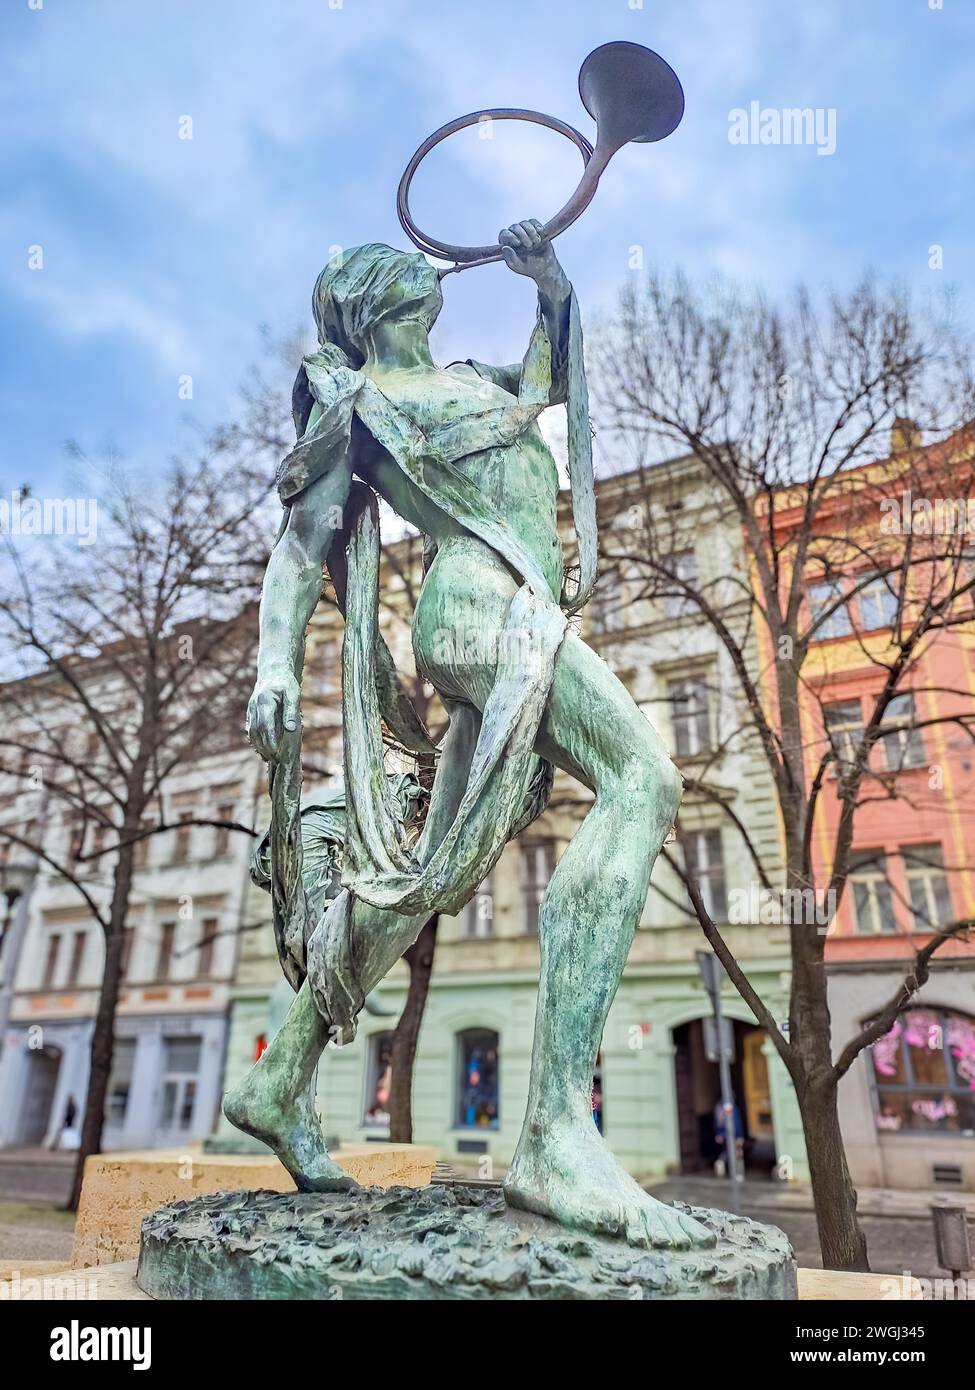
(656, 1087)
(907, 1105)
(184, 927)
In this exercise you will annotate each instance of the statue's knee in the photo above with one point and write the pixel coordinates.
(653, 784)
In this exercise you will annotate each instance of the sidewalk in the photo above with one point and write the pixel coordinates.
(30, 1158)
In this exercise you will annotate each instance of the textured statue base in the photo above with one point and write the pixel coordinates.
(439, 1242)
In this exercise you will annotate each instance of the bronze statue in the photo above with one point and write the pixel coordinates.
(457, 453)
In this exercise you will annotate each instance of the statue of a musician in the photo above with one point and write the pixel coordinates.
(457, 453)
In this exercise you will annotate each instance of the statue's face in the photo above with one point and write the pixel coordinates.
(371, 284)
(415, 293)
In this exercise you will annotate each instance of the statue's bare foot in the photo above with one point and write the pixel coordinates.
(291, 1128)
(564, 1170)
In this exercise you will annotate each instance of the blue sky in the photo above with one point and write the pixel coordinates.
(163, 256)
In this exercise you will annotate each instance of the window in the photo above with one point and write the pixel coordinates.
(164, 960)
(77, 955)
(379, 1075)
(51, 961)
(924, 1073)
(181, 1064)
(477, 1083)
(904, 746)
(477, 918)
(878, 602)
(98, 837)
(537, 866)
(181, 844)
(844, 729)
(611, 604)
(208, 933)
(704, 861)
(140, 853)
(76, 836)
(120, 1081)
(873, 903)
(927, 886)
(221, 843)
(821, 595)
(683, 566)
(690, 716)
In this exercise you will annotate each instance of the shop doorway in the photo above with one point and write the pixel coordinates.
(43, 1066)
(698, 1091)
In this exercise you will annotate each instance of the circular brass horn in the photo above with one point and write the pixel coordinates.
(631, 93)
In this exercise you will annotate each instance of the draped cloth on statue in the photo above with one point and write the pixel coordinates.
(507, 783)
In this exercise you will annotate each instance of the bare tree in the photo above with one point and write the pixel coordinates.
(133, 658)
(789, 414)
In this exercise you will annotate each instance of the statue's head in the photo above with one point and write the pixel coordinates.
(358, 288)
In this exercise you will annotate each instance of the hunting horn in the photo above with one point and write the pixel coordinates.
(632, 95)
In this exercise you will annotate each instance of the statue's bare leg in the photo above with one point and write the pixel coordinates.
(593, 730)
(275, 1101)
(562, 1167)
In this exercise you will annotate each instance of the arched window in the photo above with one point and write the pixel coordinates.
(924, 1073)
(478, 1051)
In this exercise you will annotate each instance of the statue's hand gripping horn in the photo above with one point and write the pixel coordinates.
(632, 95)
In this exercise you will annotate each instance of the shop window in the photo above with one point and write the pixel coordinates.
(379, 1075)
(873, 902)
(179, 1082)
(477, 1082)
(120, 1081)
(927, 885)
(924, 1074)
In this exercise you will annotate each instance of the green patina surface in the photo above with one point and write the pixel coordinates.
(441, 1242)
(458, 454)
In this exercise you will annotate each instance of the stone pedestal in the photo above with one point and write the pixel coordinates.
(441, 1242)
(121, 1189)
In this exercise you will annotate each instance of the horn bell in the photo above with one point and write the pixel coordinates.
(631, 93)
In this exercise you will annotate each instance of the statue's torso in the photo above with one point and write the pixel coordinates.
(520, 480)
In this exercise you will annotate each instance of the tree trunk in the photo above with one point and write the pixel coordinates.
(103, 1036)
(841, 1240)
(419, 958)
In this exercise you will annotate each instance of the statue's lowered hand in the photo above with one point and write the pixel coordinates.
(272, 711)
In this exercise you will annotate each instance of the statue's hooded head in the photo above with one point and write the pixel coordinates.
(358, 288)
